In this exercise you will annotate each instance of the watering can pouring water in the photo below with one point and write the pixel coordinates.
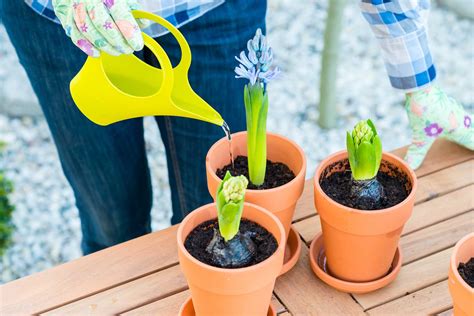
(110, 89)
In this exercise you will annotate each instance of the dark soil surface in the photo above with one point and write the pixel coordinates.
(338, 185)
(466, 270)
(198, 241)
(277, 173)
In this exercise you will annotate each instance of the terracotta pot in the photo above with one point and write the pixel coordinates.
(243, 291)
(461, 293)
(281, 201)
(360, 245)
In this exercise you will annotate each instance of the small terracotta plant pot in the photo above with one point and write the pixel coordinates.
(461, 293)
(281, 201)
(360, 245)
(242, 291)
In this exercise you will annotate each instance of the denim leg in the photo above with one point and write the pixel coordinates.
(215, 39)
(106, 166)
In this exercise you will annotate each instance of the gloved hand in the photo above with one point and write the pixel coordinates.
(432, 114)
(95, 25)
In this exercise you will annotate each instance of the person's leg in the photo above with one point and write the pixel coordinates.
(106, 166)
(215, 39)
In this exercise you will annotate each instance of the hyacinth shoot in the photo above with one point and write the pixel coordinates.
(365, 150)
(230, 203)
(256, 66)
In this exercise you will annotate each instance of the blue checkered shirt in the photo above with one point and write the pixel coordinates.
(400, 27)
(178, 12)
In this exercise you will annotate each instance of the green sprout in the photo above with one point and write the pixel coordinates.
(230, 203)
(365, 150)
(256, 66)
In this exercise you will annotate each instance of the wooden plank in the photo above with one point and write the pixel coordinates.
(425, 214)
(308, 228)
(305, 206)
(168, 306)
(435, 238)
(171, 305)
(440, 209)
(442, 155)
(304, 294)
(445, 181)
(129, 295)
(278, 305)
(412, 277)
(90, 274)
(428, 301)
(416, 245)
(448, 312)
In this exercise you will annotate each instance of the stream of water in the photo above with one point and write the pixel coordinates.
(226, 129)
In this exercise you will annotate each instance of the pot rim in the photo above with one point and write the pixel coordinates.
(301, 173)
(280, 248)
(343, 153)
(452, 262)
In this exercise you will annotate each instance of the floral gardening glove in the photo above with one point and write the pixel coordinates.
(95, 25)
(432, 114)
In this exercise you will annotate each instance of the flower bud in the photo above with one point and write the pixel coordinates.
(362, 132)
(234, 188)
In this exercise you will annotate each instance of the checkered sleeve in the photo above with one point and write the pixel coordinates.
(177, 12)
(400, 28)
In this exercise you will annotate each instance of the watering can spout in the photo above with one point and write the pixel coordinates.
(206, 113)
(191, 105)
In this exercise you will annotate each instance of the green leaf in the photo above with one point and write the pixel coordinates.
(229, 219)
(256, 133)
(259, 159)
(351, 151)
(372, 127)
(6, 209)
(365, 159)
(377, 143)
(229, 211)
(248, 109)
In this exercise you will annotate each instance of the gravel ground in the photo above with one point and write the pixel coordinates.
(48, 228)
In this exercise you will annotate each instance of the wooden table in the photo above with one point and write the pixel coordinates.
(142, 276)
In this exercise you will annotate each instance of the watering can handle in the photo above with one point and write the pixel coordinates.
(185, 50)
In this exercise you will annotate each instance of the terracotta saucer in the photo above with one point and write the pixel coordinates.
(292, 251)
(187, 309)
(317, 258)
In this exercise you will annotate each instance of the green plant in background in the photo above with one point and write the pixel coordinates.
(365, 150)
(256, 66)
(230, 203)
(6, 210)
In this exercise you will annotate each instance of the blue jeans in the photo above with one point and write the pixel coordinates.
(107, 166)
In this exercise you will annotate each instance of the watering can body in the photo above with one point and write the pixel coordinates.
(109, 88)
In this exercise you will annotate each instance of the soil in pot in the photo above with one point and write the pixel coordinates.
(466, 271)
(338, 185)
(277, 173)
(251, 245)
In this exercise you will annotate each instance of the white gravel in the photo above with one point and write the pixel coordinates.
(48, 228)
